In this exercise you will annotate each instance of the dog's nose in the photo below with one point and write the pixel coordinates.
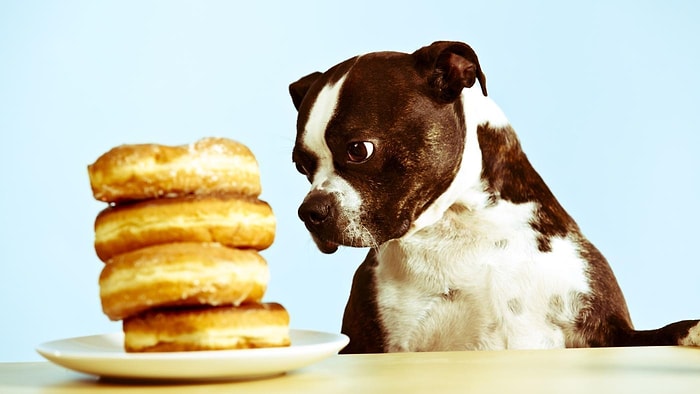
(315, 209)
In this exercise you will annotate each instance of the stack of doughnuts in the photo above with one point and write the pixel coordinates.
(180, 240)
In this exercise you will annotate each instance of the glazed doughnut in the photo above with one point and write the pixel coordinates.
(208, 328)
(233, 221)
(181, 274)
(143, 171)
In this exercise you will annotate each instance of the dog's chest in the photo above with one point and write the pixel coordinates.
(476, 280)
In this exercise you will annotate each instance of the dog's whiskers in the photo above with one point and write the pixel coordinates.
(356, 233)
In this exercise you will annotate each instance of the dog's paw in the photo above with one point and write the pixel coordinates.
(693, 337)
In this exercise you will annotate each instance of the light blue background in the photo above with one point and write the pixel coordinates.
(604, 94)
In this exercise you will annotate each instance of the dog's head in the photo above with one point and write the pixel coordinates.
(380, 137)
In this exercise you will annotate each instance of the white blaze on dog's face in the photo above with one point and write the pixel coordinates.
(325, 181)
(378, 143)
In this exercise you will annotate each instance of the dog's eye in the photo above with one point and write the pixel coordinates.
(360, 151)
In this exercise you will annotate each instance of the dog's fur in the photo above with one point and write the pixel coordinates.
(469, 249)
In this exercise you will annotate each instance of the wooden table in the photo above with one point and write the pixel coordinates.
(660, 370)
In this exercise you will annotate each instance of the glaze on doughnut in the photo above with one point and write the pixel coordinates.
(144, 171)
(184, 274)
(232, 220)
(207, 328)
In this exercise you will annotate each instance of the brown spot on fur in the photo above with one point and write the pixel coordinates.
(510, 176)
(450, 294)
(556, 304)
(515, 306)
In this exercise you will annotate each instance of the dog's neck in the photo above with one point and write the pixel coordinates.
(468, 189)
(479, 209)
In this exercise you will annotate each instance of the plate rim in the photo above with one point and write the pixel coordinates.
(284, 359)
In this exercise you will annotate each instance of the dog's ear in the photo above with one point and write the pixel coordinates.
(450, 67)
(299, 88)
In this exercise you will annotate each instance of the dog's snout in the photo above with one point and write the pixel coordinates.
(315, 209)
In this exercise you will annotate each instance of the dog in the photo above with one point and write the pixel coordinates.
(468, 247)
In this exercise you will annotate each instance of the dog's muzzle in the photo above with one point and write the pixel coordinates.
(318, 214)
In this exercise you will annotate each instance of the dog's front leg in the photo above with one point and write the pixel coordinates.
(361, 319)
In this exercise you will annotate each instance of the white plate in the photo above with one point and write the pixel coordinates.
(104, 355)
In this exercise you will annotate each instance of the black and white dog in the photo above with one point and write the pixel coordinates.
(469, 249)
